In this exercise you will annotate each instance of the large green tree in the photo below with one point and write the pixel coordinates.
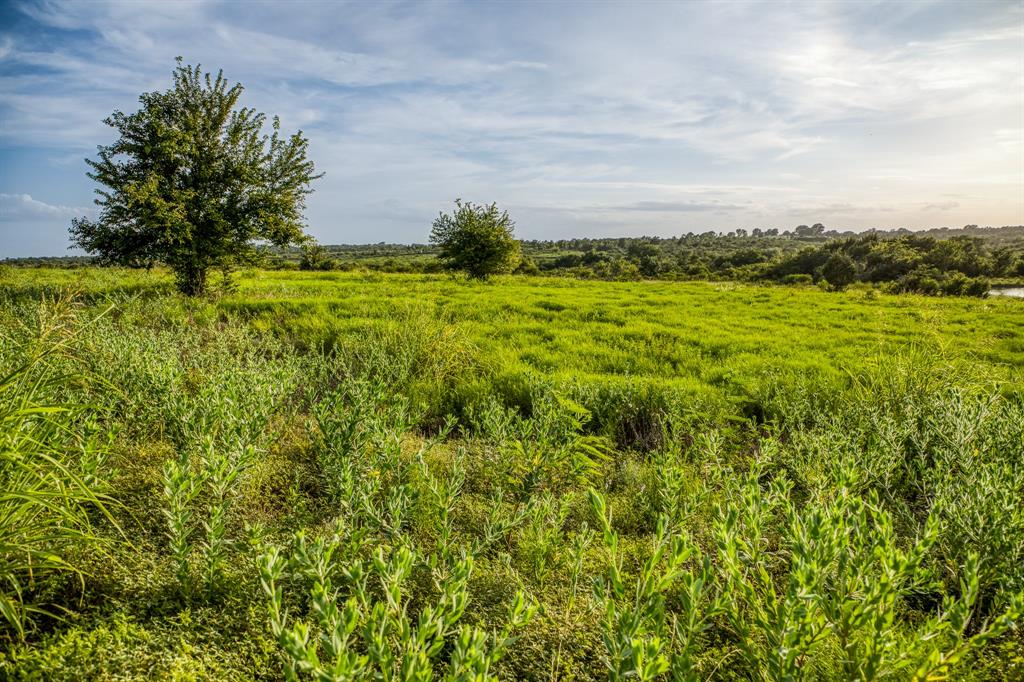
(478, 240)
(195, 183)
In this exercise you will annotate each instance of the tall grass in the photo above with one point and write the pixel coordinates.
(51, 486)
(615, 484)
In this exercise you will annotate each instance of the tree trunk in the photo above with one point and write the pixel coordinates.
(191, 279)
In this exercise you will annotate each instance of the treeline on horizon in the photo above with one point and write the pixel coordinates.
(940, 261)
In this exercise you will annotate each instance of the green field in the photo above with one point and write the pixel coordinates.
(341, 475)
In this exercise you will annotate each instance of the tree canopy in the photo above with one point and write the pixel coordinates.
(839, 270)
(476, 239)
(195, 183)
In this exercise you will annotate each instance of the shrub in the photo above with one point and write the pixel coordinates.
(315, 257)
(477, 240)
(839, 270)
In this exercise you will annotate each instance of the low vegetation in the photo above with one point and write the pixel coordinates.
(943, 262)
(962, 262)
(339, 476)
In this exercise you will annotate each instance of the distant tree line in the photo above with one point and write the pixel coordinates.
(50, 261)
(938, 262)
(943, 261)
(926, 265)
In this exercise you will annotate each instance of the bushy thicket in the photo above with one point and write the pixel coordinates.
(956, 262)
(952, 262)
(960, 266)
(260, 512)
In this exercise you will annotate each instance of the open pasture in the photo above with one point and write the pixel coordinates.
(338, 475)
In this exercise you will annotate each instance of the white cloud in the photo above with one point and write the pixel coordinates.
(680, 206)
(942, 206)
(23, 208)
(695, 115)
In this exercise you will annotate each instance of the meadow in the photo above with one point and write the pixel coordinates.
(354, 475)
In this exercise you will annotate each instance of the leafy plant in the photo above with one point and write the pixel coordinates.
(551, 451)
(51, 480)
(476, 239)
(634, 625)
(843, 579)
(360, 635)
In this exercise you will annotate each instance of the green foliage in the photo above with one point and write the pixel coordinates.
(52, 466)
(360, 635)
(799, 492)
(976, 254)
(478, 240)
(548, 451)
(958, 266)
(192, 182)
(315, 257)
(847, 580)
(839, 270)
(635, 620)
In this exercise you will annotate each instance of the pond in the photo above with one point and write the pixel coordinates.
(1013, 292)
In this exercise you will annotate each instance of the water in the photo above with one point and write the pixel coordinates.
(1015, 292)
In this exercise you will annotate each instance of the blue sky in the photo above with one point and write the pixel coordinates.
(583, 118)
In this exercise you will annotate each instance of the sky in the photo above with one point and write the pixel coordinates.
(579, 118)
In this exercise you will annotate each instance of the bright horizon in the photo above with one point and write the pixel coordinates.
(581, 120)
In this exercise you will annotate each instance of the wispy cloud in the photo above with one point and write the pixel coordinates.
(23, 208)
(680, 206)
(655, 118)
